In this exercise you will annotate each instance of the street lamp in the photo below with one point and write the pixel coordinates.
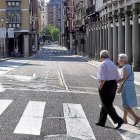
(3, 36)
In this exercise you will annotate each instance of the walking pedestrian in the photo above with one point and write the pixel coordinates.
(128, 93)
(108, 76)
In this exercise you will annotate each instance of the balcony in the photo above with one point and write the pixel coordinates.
(83, 12)
(110, 2)
(90, 10)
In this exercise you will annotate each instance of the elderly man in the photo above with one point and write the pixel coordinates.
(108, 76)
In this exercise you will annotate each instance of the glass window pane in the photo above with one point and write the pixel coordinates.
(14, 25)
(13, 3)
(10, 26)
(17, 3)
(9, 3)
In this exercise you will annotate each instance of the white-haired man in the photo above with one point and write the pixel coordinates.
(108, 76)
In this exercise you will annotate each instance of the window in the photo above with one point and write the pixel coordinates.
(17, 3)
(10, 25)
(13, 17)
(13, 4)
(17, 26)
(14, 25)
(9, 4)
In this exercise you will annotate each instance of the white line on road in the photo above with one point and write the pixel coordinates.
(77, 124)
(59, 78)
(127, 132)
(4, 104)
(94, 77)
(31, 120)
(62, 77)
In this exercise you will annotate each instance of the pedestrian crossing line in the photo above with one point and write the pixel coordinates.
(138, 108)
(127, 132)
(31, 120)
(4, 104)
(77, 124)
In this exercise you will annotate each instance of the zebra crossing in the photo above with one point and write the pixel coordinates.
(77, 124)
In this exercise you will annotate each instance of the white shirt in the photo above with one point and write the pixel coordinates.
(108, 71)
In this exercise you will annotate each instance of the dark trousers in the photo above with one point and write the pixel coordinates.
(107, 95)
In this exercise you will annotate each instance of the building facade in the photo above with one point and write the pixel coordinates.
(53, 11)
(21, 16)
(69, 33)
(113, 25)
(42, 15)
(119, 29)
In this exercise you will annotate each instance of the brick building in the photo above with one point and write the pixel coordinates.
(53, 11)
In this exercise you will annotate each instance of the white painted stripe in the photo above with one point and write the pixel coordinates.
(31, 120)
(90, 63)
(94, 77)
(77, 124)
(127, 132)
(63, 80)
(4, 104)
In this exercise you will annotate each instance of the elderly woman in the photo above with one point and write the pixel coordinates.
(128, 92)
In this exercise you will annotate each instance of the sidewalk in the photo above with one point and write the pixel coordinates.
(136, 74)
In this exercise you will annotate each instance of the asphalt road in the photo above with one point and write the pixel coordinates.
(53, 96)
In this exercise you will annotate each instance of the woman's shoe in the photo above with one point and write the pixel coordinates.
(136, 121)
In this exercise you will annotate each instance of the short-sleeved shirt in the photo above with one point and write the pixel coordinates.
(108, 71)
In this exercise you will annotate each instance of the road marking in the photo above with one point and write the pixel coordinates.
(137, 83)
(94, 77)
(56, 91)
(59, 78)
(63, 80)
(127, 132)
(77, 124)
(31, 120)
(92, 64)
(2, 89)
(21, 78)
(4, 104)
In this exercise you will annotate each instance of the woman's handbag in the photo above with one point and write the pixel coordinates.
(120, 87)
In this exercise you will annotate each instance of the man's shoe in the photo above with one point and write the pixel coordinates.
(119, 124)
(99, 124)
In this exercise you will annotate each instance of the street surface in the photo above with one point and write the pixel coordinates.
(53, 96)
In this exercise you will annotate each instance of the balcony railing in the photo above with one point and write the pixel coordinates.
(90, 10)
(83, 12)
(109, 2)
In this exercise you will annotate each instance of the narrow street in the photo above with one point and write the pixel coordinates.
(53, 96)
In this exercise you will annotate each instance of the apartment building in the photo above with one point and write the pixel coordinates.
(42, 15)
(21, 16)
(53, 11)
